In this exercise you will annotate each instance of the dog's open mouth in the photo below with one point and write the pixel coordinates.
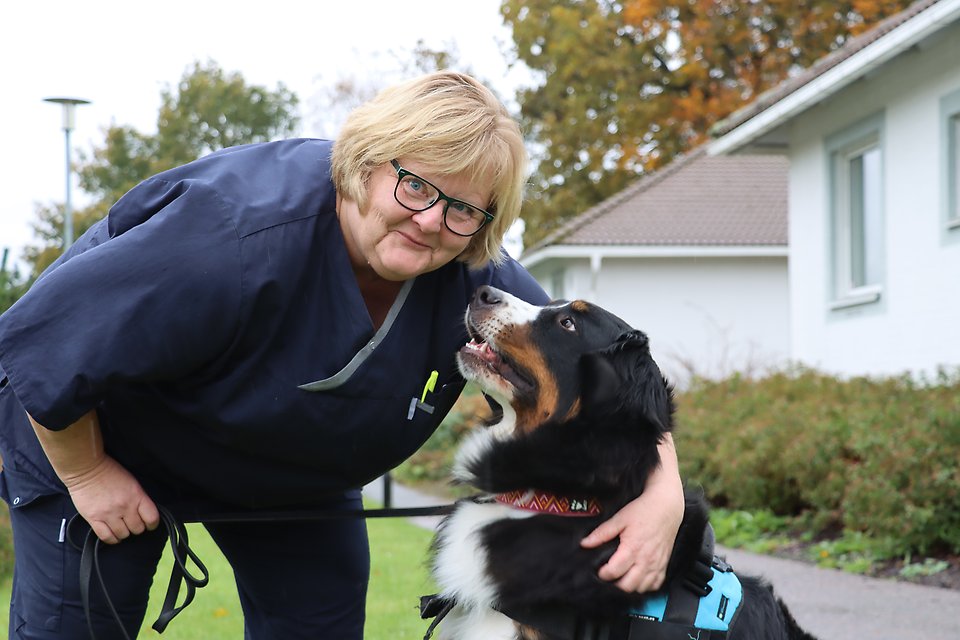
(479, 352)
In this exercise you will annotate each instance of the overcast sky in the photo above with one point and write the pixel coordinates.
(121, 54)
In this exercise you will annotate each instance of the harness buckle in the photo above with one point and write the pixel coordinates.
(436, 607)
(721, 565)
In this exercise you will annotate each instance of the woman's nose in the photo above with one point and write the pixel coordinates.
(431, 220)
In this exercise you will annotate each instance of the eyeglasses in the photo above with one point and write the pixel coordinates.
(416, 194)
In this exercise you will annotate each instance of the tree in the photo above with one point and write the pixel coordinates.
(214, 110)
(207, 110)
(626, 86)
(48, 229)
(12, 286)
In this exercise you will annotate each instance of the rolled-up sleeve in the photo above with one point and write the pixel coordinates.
(156, 300)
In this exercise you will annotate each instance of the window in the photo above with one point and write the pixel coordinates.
(950, 165)
(856, 160)
(953, 172)
(557, 280)
(861, 221)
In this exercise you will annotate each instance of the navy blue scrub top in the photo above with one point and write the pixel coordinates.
(190, 318)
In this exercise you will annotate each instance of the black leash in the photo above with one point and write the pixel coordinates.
(307, 515)
(181, 551)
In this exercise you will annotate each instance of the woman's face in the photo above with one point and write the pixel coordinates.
(399, 244)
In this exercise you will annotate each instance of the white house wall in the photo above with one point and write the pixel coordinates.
(708, 316)
(915, 326)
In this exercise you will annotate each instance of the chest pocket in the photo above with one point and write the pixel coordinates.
(379, 418)
(367, 351)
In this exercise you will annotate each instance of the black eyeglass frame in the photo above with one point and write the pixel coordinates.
(447, 201)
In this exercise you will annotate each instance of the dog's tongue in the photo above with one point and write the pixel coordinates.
(483, 351)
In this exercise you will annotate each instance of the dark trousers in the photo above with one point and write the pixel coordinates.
(295, 579)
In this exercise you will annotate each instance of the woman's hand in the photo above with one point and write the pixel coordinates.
(647, 528)
(112, 502)
(105, 494)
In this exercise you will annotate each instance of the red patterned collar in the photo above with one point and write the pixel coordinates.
(543, 502)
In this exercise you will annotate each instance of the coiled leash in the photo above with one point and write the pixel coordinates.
(180, 550)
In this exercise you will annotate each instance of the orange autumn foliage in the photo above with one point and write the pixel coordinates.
(626, 86)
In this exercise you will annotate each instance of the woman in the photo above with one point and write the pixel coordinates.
(253, 330)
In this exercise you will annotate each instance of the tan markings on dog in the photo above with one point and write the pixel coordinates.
(574, 410)
(515, 343)
(529, 633)
(548, 395)
(580, 306)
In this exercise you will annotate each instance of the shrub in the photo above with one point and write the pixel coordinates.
(878, 456)
(875, 457)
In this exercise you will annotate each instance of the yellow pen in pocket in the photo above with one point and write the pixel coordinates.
(430, 386)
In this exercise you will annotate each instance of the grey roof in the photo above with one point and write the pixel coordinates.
(852, 46)
(697, 200)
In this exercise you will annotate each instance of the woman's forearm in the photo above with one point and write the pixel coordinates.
(105, 494)
(74, 452)
(667, 475)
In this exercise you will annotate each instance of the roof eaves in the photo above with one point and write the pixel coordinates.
(591, 251)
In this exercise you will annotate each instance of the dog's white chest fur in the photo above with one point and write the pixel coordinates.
(460, 566)
(460, 570)
(461, 624)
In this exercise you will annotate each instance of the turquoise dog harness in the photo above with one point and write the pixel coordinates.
(691, 609)
(700, 605)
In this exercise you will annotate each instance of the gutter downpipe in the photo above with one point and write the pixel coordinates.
(596, 261)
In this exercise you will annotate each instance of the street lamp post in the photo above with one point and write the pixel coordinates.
(68, 121)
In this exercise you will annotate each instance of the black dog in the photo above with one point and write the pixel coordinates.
(584, 408)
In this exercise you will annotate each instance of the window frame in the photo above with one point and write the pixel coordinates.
(558, 283)
(950, 134)
(953, 175)
(843, 151)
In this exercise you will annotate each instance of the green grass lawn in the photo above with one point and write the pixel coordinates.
(398, 579)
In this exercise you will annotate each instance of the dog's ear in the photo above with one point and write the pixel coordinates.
(632, 339)
(623, 377)
(603, 373)
(649, 392)
(600, 381)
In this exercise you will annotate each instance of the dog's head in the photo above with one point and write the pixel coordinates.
(553, 363)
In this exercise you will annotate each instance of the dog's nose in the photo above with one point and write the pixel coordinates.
(487, 296)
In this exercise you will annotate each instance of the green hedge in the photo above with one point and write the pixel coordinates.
(874, 456)
(871, 455)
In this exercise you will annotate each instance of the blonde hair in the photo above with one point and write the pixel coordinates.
(453, 125)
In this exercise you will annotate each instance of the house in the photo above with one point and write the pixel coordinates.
(872, 135)
(694, 254)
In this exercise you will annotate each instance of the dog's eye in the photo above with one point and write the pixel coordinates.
(567, 323)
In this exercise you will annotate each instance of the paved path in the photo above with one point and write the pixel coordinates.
(833, 605)
(830, 604)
